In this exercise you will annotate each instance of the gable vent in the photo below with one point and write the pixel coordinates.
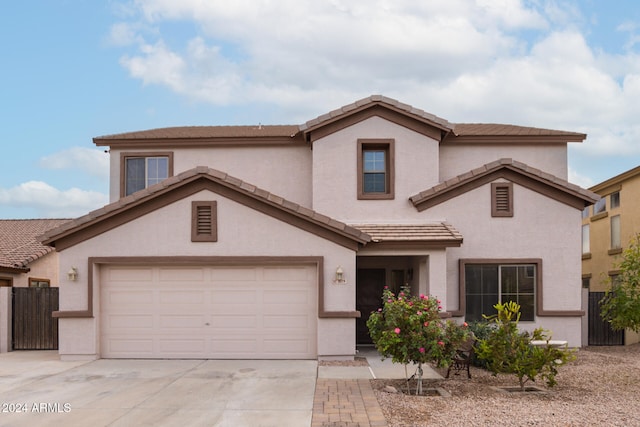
(502, 199)
(204, 222)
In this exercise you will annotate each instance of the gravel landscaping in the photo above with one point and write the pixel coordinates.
(600, 388)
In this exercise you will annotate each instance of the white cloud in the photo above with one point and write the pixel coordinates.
(514, 61)
(89, 160)
(49, 202)
(581, 180)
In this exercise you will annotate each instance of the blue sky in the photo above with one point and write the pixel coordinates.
(75, 69)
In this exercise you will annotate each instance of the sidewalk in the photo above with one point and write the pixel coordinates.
(344, 396)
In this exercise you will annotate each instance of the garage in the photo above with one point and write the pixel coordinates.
(208, 311)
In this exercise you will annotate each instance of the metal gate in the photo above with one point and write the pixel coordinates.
(600, 332)
(33, 326)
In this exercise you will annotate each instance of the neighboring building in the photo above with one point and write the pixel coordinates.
(607, 228)
(276, 241)
(24, 262)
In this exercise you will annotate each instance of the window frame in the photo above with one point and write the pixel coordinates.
(124, 156)
(388, 146)
(39, 280)
(586, 243)
(615, 205)
(538, 310)
(600, 206)
(615, 241)
(496, 210)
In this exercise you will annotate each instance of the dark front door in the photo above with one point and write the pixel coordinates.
(369, 285)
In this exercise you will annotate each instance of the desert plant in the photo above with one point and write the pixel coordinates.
(621, 304)
(408, 329)
(508, 350)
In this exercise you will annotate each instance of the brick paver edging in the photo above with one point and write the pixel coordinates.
(346, 403)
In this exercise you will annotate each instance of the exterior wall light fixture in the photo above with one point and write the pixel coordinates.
(339, 276)
(72, 275)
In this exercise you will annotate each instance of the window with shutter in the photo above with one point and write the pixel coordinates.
(502, 199)
(204, 227)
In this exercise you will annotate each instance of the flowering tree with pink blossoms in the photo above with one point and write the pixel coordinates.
(408, 329)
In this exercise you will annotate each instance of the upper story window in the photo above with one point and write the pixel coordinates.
(615, 200)
(586, 244)
(585, 212)
(376, 168)
(39, 283)
(142, 170)
(600, 206)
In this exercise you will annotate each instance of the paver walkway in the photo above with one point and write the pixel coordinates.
(346, 403)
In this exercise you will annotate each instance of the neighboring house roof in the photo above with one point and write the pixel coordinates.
(19, 245)
(605, 186)
(375, 105)
(190, 182)
(439, 234)
(514, 171)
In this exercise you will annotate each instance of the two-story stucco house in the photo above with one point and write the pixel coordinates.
(276, 241)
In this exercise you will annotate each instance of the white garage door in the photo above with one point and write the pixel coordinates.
(217, 312)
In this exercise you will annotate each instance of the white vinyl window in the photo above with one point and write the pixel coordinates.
(615, 232)
(586, 246)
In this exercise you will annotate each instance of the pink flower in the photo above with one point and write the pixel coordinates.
(421, 296)
(419, 313)
(465, 324)
(396, 330)
(439, 307)
(421, 349)
(401, 294)
(386, 287)
(426, 323)
(389, 300)
(379, 310)
(410, 303)
(438, 301)
(440, 343)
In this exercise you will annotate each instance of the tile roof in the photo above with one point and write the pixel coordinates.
(377, 100)
(219, 177)
(19, 243)
(433, 232)
(514, 165)
(237, 134)
(195, 132)
(494, 129)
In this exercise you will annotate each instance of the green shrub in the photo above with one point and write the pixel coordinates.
(507, 350)
(408, 329)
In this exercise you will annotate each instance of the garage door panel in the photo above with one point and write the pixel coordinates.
(130, 321)
(234, 322)
(209, 312)
(233, 274)
(185, 296)
(168, 321)
(181, 274)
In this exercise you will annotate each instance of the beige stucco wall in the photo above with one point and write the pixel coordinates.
(242, 231)
(460, 158)
(281, 170)
(540, 228)
(335, 172)
(45, 267)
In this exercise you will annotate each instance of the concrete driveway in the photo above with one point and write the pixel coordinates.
(50, 392)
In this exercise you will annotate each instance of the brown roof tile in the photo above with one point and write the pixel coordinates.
(205, 132)
(19, 244)
(432, 232)
(310, 215)
(495, 129)
(522, 168)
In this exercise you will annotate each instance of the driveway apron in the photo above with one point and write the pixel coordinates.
(37, 389)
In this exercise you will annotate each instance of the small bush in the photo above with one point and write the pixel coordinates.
(507, 350)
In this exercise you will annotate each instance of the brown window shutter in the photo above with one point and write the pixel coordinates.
(502, 199)
(204, 226)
